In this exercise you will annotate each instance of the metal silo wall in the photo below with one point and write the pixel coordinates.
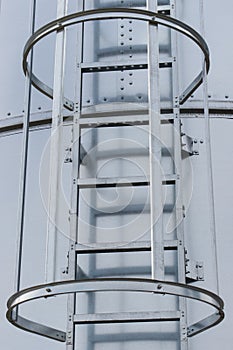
(110, 89)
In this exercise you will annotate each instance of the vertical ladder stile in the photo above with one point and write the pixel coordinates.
(178, 185)
(156, 195)
(74, 206)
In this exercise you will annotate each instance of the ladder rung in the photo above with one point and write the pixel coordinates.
(110, 121)
(146, 335)
(118, 66)
(114, 121)
(164, 9)
(123, 182)
(113, 109)
(118, 247)
(127, 317)
(129, 209)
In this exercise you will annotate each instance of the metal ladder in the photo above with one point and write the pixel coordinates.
(157, 246)
(154, 112)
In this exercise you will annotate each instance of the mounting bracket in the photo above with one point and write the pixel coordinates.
(194, 271)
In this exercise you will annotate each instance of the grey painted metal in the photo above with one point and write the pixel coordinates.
(104, 14)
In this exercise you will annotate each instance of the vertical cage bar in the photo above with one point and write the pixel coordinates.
(209, 159)
(24, 160)
(55, 148)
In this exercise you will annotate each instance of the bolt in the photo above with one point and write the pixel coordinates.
(159, 286)
(48, 290)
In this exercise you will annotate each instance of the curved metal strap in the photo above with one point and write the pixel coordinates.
(112, 284)
(106, 14)
(37, 328)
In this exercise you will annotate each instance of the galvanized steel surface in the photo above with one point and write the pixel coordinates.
(195, 232)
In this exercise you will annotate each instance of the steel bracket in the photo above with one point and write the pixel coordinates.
(83, 155)
(190, 146)
(68, 155)
(64, 273)
(194, 271)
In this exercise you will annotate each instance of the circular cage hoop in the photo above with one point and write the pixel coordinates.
(153, 18)
(106, 285)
